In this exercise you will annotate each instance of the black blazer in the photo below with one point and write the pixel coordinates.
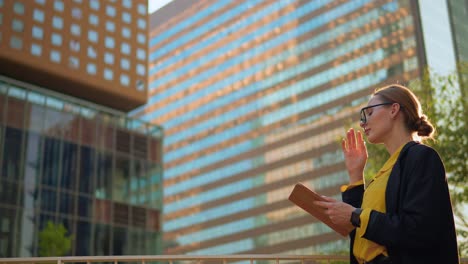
(418, 225)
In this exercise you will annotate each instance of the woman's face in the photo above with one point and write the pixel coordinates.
(375, 120)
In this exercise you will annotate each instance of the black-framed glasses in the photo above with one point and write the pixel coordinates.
(363, 111)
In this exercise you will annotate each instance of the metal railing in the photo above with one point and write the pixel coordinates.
(179, 259)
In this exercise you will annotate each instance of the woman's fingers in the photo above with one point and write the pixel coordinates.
(361, 143)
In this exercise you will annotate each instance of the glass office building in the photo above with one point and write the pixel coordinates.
(459, 21)
(93, 170)
(84, 164)
(254, 96)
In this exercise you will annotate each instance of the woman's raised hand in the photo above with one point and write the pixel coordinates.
(355, 153)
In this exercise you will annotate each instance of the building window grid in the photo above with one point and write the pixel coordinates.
(55, 195)
(350, 46)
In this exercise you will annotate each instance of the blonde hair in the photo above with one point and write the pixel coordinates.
(415, 120)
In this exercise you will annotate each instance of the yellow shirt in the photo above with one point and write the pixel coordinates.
(374, 199)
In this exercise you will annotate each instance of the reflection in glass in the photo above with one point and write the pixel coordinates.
(63, 162)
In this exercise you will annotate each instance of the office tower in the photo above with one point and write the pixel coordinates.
(69, 161)
(100, 45)
(458, 10)
(254, 96)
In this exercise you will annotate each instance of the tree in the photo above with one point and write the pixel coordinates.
(53, 240)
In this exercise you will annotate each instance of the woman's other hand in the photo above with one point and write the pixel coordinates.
(338, 212)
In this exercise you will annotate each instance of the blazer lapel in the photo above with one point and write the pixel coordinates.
(392, 192)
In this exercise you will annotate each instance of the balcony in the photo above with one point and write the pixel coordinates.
(185, 259)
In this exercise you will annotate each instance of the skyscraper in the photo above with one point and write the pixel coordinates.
(458, 10)
(83, 164)
(253, 97)
(95, 50)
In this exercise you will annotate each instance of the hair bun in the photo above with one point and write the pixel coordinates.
(423, 126)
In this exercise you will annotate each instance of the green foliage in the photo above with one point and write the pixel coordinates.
(53, 240)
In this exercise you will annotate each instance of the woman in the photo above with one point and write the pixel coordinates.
(404, 214)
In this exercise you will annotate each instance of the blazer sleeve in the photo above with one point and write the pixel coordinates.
(422, 207)
(353, 197)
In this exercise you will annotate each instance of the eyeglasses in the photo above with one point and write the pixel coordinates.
(363, 111)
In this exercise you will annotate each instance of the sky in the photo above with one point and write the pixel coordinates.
(154, 5)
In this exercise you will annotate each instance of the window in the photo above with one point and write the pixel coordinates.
(75, 29)
(109, 58)
(16, 43)
(127, 3)
(74, 45)
(125, 48)
(41, 2)
(92, 52)
(55, 56)
(93, 36)
(141, 38)
(91, 68)
(110, 43)
(110, 11)
(125, 64)
(142, 9)
(110, 26)
(38, 15)
(94, 4)
(140, 85)
(124, 80)
(57, 22)
(58, 6)
(126, 17)
(76, 13)
(93, 20)
(18, 8)
(141, 54)
(126, 33)
(108, 74)
(36, 49)
(73, 62)
(37, 32)
(141, 23)
(141, 69)
(1, 19)
(56, 39)
(17, 25)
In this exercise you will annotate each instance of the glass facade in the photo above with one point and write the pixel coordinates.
(458, 10)
(253, 97)
(94, 170)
